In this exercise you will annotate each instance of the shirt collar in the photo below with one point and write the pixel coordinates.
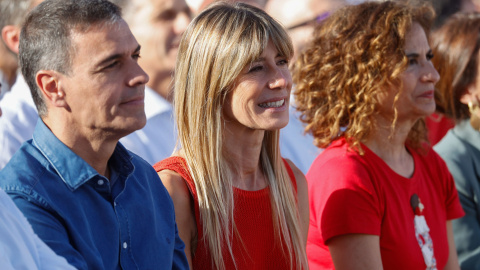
(71, 168)
(465, 131)
(155, 104)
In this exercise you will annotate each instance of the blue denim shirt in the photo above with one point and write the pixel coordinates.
(73, 209)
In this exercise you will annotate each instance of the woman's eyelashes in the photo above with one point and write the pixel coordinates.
(429, 55)
(413, 58)
(255, 68)
(260, 67)
(283, 62)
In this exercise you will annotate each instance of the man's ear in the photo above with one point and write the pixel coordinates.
(49, 83)
(11, 37)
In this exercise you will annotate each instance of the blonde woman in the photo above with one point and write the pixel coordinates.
(380, 197)
(238, 204)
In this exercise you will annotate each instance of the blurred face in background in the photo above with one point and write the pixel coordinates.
(470, 5)
(300, 17)
(158, 26)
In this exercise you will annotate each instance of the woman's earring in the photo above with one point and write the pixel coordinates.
(473, 107)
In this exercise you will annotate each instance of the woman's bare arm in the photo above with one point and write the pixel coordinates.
(452, 263)
(184, 213)
(356, 252)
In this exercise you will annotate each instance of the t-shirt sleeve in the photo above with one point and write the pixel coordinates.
(343, 197)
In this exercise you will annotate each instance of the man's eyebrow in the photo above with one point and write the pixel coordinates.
(115, 56)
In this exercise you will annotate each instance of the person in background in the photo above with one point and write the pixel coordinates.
(456, 47)
(8, 64)
(300, 18)
(238, 204)
(380, 197)
(12, 14)
(19, 113)
(438, 123)
(158, 26)
(87, 197)
(20, 247)
(256, 3)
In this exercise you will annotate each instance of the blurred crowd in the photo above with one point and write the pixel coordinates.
(262, 134)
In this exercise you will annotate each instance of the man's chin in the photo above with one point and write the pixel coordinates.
(128, 126)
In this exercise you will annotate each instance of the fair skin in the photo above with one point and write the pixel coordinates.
(158, 25)
(362, 251)
(470, 5)
(472, 93)
(101, 99)
(8, 64)
(293, 14)
(0, 91)
(9, 49)
(258, 102)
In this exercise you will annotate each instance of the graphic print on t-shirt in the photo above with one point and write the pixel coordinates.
(422, 233)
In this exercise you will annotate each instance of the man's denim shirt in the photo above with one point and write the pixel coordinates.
(94, 226)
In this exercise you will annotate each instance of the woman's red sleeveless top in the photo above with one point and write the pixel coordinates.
(258, 248)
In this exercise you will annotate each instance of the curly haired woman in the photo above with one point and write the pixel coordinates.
(380, 198)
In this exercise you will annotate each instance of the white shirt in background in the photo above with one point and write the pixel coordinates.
(157, 139)
(20, 247)
(18, 120)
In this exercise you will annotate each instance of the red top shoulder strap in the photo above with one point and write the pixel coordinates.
(179, 165)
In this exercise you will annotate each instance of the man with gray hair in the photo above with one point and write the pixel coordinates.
(86, 196)
(19, 112)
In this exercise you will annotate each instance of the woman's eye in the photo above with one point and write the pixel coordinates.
(429, 56)
(283, 62)
(412, 61)
(255, 68)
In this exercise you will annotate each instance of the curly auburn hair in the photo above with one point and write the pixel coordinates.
(456, 46)
(355, 55)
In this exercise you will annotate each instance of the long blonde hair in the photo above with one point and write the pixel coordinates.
(215, 48)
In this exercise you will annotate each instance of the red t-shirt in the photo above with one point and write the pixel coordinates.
(438, 125)
(350, 193)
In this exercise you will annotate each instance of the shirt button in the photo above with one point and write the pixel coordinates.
(114, 204)
(100, 182)
(125, 245)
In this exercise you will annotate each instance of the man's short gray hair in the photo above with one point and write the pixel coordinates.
(45, 39)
